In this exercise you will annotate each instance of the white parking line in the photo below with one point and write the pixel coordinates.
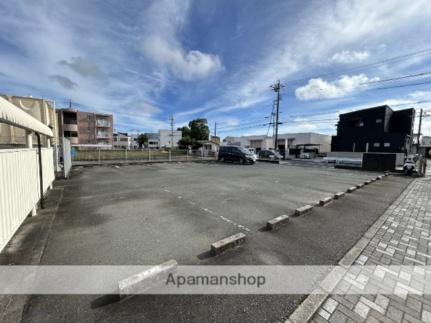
(239, 226)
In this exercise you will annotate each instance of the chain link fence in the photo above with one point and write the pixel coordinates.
(101, 155)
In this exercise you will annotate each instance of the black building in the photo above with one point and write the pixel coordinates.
(378, 129)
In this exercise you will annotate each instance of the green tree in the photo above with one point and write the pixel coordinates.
(142, 140)
(199, 129)
(185, 131)
(186, 142)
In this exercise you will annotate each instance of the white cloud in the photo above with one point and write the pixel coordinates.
(186, 65)
(232, 122)
(421, 95)
(324, 29)
(160, 42)
(146, 108)
(348, 57)
(320, 89)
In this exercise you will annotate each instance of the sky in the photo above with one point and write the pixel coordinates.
(144, 61)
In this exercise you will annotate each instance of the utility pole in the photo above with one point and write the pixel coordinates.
(419, 130)
(172, 131)
(215, 129)
(277, 88)
(70, 103)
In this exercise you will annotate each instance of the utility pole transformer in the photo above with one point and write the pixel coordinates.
(277, 88)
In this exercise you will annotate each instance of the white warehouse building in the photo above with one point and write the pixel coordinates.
(291, 143)
(167, 138)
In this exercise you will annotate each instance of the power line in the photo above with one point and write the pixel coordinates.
(365, 66)
(398, 78)
(400, 86)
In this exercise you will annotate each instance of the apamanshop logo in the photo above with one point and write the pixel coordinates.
(215, 280)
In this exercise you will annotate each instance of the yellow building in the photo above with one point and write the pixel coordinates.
(41, 109)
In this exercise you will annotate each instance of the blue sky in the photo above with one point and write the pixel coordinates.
(145, 60)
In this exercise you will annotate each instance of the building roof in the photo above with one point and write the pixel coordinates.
(14, 116)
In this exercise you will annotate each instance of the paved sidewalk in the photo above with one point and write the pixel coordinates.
(403, 239)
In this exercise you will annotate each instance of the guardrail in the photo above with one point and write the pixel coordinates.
(19, 186)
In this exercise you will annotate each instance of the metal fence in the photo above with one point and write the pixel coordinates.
(100, 155)
(19, 186)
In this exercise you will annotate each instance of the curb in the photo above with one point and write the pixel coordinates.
(275, 223)
(309, 306)
(145, 280)
(303, 210)
(230, 242)
(339, 195)
(325, 201)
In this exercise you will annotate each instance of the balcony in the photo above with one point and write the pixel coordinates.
(103, 123)
(70, 127)
(103, 135)
(74, 140)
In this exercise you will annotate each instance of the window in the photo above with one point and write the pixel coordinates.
(355, 123)
(387, 144)
(70, 134)
(377, 144)
(379, 120)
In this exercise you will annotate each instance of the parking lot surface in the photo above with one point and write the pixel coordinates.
(147, 214)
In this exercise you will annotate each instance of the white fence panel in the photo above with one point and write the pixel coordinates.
(19, 186)
(67, 157)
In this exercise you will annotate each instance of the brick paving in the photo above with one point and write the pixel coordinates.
(403, 240)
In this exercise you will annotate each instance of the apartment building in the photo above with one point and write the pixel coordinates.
(86, 128)
(41, 109)
(122, 140)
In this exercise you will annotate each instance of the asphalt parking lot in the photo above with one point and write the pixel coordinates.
(147, 214)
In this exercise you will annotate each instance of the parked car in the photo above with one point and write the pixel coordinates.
(305, 156)
(234, 153)
(269, 155)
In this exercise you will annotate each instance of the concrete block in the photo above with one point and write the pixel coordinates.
(227, 243)
(275, 223)
(339, 195)
(367, 182)
(303, 210)
(360, 185)
(143, 281)
(379, 177)
(325, 201)
(351, 189)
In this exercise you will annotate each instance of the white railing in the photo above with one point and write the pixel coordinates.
(19, 186)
